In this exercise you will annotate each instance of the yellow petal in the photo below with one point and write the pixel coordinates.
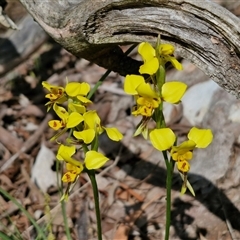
(95, 160)
(202, 137)
(73, 168)
(86, 135)
(91, 119)
(61, 112)
(172, 92)
(74, 107)
(175, 63)
(69, 177)
(149, 67)
(70, 160)
(51, 96)
(74, 119)
(183, 148)
(70, 150)
(166, 49)
(74, 89)
(162, 139)
(183, 166)
(85, 88)
(145, 90)
(47, 85)
(83, 99)
(131, 83)
(55, 124)
(113, 134)
(146, 50)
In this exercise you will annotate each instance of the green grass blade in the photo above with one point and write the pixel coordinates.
(34, 223)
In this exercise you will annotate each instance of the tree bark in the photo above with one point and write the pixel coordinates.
(202, 31)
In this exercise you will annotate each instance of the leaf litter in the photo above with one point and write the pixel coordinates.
(132, 186)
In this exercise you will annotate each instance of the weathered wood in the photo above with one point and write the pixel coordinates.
(203, 32)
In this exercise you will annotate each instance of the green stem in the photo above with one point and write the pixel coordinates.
(59, 167)
(65, 220)
(104, 76)
(169, 166)
(99, 83)
(161, 77)
(91, 174)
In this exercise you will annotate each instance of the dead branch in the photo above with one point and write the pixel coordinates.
(203, 32)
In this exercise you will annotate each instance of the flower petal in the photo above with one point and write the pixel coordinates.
(131, 83)
(149, 67)
(74, 119)
(145, 90)
(183, 166)
(69, 177)
(61, 112)
(55, 124)
(74, 107)
(95, 160)
(202, 137)
(70, 150)
(172, 92)
(113, 134)
(83, 99)
(91, 120)
(47, 85)
(175, 63)
(74, 89)
(86, 135)
(146, 50)
(73, 168)
(183, 149)
(162, 139)
(166, 49)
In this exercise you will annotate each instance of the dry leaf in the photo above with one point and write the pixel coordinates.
(42, 173)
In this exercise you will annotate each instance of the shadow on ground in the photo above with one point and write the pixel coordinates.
(206, 192)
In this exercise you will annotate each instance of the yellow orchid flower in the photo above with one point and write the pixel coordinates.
(198, 138)
(67, 120)
(147, 98)
(92, 126)
(65, 153)
(182, 154)
(152, 60)
(56, 95)
(72, 173)
(74, 167)
(166, 55)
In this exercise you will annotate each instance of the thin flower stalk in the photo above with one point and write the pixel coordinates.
(150, 90)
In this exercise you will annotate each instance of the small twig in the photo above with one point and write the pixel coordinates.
(28, 144)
